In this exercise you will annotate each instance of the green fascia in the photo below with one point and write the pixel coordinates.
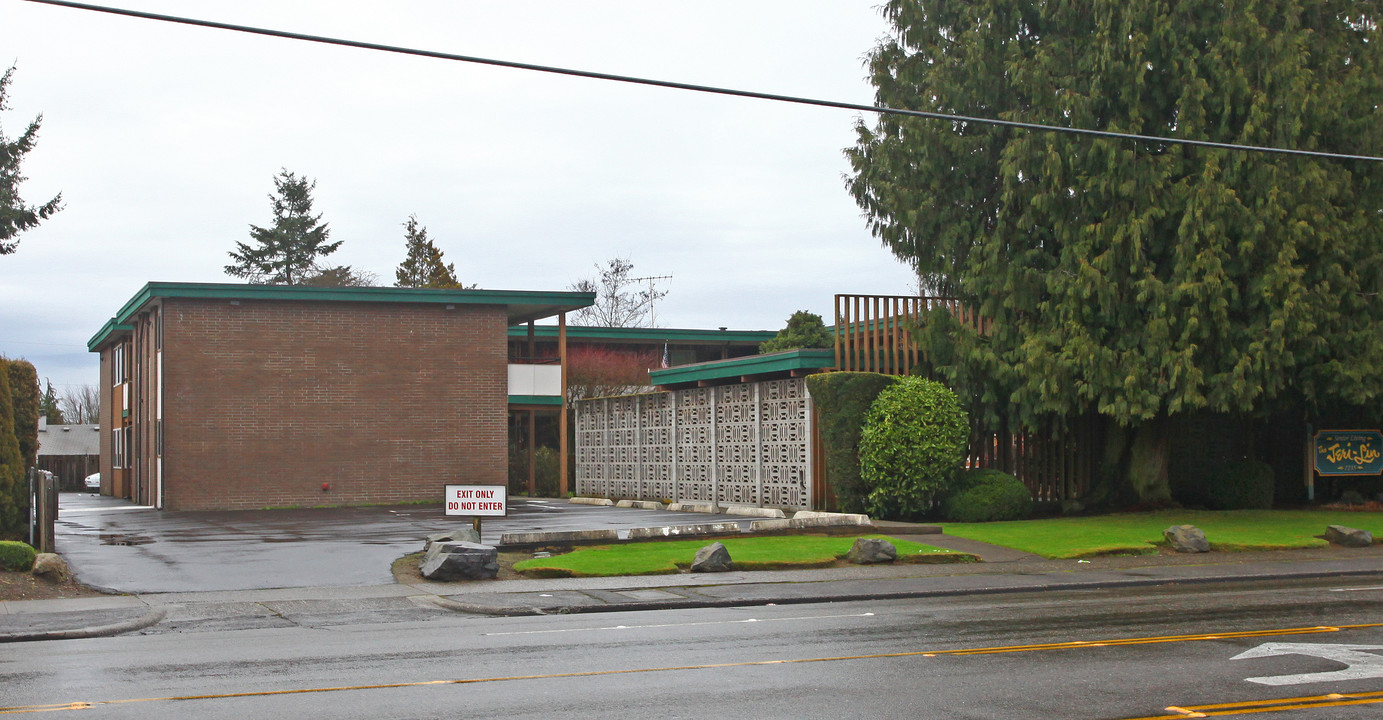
(109, 329)
(786, 361)
(646, 335)
(522, 305)
(535, 399)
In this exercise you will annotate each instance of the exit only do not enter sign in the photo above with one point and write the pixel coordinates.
(477, 500)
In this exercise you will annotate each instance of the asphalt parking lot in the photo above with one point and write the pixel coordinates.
(114, 545)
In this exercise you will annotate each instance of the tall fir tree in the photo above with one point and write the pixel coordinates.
(15, 216)
(288, 252)
(422, 267)
(1137, 280)
(49, 406)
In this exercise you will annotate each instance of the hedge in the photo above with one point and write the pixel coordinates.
(843, 400)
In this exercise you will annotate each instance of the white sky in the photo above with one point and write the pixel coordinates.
(164, 140)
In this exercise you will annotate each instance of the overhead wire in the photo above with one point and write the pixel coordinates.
(883, 110)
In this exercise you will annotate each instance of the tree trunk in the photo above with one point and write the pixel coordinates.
(1146, 474)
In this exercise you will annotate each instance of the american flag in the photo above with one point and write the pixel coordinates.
(665, 360)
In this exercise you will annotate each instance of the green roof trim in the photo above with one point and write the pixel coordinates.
(522, 305)
(785, 361)
(646, 335)
(535, 399)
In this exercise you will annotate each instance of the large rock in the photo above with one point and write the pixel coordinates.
(51, 566)
(465, 533)
(448, 561)
(1186, 539)
(1341, 535)
(867, 551)
(712, 558)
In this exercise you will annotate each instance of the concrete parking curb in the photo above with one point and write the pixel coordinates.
(149, 619)
(996, 585)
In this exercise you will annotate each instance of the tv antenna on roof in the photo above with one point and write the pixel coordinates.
(652, 316)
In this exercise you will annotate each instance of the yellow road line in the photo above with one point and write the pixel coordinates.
(1038, 647)
(1250, 707)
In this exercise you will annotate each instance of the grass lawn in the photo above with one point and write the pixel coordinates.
(1137, 533)
(759, 553)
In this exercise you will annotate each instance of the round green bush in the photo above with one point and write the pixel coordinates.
(985, 495)
(1241, 485)
(913, 442)
(16, 556)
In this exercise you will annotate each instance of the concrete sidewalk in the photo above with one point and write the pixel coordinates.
(1004, 571)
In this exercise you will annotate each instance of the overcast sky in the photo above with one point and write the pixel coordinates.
(164, 140)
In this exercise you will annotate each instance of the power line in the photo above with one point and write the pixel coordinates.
(697, 88)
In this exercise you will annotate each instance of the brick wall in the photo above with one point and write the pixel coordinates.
(266, 400)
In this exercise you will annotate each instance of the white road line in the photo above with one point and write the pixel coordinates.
(672, 625)
(1357, 589)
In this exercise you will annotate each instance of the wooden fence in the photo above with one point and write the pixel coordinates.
(873, 333)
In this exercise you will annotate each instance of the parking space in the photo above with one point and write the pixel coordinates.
(114, 545)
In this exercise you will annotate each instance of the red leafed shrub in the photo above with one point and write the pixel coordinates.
(595, 371)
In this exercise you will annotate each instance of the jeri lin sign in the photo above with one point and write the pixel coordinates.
(1349, 452)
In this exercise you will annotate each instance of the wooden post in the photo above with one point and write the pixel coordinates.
(562, 422)
(532, 453)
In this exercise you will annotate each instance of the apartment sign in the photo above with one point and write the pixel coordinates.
(1349, 452)
(478, 500)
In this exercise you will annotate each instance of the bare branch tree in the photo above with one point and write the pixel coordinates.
(81, 404)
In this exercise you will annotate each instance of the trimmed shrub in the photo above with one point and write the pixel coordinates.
(25, 397)
(13, 516)
(1241, 485)
(843, 400)
(16, 556)
(913, 442)
(983, 495)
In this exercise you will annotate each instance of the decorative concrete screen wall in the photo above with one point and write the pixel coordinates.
(742, 444)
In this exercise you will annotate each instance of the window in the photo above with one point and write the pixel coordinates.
(117, 359)
(117, 445)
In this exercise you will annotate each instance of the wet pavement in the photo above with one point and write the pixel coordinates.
(113, 545)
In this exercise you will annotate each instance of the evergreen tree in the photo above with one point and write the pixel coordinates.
(1137, 280)
(13, 488)
(24, 398)
(49, 405)
(804, 330)
(15, 216)
(288, 252)
(423, 266)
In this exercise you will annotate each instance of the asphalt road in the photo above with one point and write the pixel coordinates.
(1085, 655)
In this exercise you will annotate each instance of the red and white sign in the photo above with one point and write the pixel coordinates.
(478, 500)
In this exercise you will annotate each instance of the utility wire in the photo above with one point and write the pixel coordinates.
(697, 88)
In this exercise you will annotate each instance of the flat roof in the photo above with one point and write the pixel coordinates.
(779, 363)
(647, 335)
(521, 305)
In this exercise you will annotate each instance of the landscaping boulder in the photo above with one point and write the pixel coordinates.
(1186, 539)
(465, 533)
(712, 558)
(1347, 536)
(448, 561)
(868, 551)
(51, 566)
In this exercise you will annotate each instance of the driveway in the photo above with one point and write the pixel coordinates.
(114, 545)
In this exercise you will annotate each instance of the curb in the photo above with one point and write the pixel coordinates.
(689, 603)
(153, 617)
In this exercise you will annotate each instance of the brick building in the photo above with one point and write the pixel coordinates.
(227, 396)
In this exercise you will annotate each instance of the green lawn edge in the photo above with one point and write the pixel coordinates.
(1141, 533)
(781, 552)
